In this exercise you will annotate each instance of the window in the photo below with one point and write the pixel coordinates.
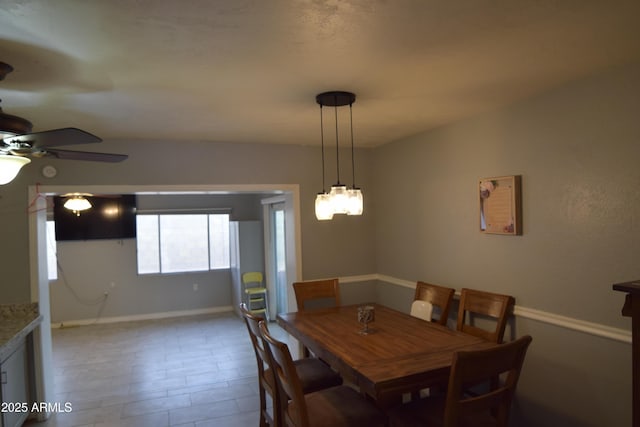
(178, 243)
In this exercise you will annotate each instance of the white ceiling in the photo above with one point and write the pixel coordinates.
(249, 70)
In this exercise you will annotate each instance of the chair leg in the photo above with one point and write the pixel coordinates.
(265, 419)
(303, 351)
(279, 408)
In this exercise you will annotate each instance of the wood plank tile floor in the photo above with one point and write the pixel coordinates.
(197, 371)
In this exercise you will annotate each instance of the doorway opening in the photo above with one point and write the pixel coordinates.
(38, 250)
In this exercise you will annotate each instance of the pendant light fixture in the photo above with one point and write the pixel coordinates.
(324, 210)
(339, 200)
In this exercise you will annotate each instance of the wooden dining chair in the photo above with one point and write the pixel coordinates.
(437, 296)
(457, 409)
(312, 294)
(313, 373)
(484, 305)
(434, 296)
(339, 406)
(317, 293)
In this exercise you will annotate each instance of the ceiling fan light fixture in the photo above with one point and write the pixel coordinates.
(77, 204)
(10, 166)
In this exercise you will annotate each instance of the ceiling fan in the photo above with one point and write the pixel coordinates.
(17, 143)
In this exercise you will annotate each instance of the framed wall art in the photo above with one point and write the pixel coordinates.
(501, 205)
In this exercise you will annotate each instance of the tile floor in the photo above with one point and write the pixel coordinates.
(195, 371)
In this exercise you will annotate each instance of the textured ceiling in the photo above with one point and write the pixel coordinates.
(249, 70)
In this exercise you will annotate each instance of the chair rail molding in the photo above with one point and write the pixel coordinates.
(592, 328)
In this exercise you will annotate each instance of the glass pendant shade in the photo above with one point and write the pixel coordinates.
(355, 204)
(339, 199)
(324, 209)
(10, 166)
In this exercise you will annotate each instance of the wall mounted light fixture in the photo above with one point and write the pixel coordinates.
(77, 203)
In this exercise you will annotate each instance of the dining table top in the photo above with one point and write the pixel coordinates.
(401, 353)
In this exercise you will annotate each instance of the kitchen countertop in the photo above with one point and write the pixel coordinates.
(16, 322)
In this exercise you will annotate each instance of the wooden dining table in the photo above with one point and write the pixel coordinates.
(401, 354)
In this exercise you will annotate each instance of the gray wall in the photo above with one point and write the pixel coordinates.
(192, 163)
(577, 149)
(243, 207)
(88, 269)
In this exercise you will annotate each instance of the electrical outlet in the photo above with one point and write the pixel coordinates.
(106, 293)
(195, 286)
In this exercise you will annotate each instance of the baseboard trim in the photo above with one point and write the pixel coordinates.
(138, 317)
(592, 328)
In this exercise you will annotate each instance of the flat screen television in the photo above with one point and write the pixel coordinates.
(110, 217)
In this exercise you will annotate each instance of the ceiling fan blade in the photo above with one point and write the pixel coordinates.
(54, 138)
(85, 155)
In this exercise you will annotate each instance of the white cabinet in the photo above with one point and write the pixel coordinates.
(14, 392)
(247, 254)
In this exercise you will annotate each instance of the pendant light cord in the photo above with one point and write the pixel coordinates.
(353, 161)
(322, 145)
(335, 109)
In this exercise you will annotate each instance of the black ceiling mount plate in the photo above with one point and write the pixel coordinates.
(335, 98)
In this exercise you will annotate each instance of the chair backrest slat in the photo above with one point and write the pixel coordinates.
(310, 290)
(486, 304)
(252, 323)
(438, 296)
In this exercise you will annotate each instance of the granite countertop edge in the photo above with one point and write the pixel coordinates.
(16, 322)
